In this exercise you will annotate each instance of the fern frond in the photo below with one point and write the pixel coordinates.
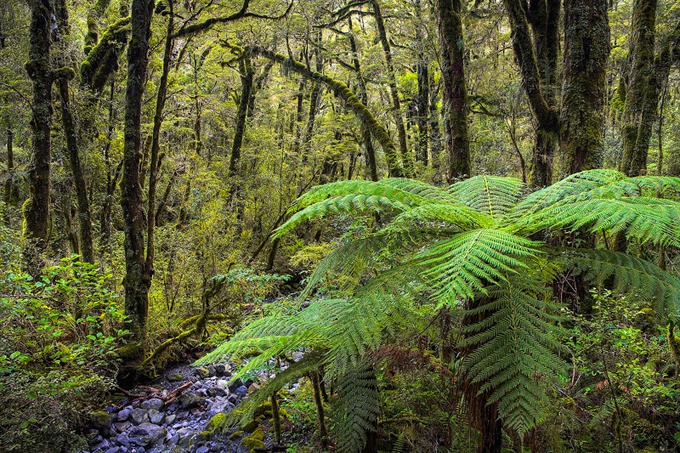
(662, 186)
(575, 185)
(630, 274)
(357, 407)
(421, 189)
(515, 352)
(457, 215)
(493, 195)
(646, 219)
(465, 264)
(352, 203)
(356, 187)
(248, 406)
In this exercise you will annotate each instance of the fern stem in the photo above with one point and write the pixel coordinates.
(276, 418)
(323, 433)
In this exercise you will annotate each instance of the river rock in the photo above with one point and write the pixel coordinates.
(146, 434)
(139, 416)
(152, 403)
(124, 414)
(241, 391)
(217, 391)
(189, 400)
(155, 417)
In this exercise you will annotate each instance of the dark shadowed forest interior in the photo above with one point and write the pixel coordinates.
(345, 226)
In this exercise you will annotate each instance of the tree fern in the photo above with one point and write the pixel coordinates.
(471, 247)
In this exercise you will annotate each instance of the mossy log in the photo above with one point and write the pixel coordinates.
(341, 90)
(198, 327)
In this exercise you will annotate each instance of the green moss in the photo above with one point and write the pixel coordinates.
(255, 440)
(216, 425)
(236, 434)
(251, 426)
(263, 409)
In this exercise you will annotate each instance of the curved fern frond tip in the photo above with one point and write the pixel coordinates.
(351, 203)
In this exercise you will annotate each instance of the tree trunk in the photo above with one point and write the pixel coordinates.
(83, 203)
(10, 188)
(137, 274)
(394, 92)
(536, 82)
(313, 106)
(641, 91)
(455, 92)
(36, 209)
(155, 161)
(371, 162)
(586, 52)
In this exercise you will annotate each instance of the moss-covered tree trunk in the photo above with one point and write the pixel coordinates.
(83, 202)
(537, 83)
(423, 98)
(641, 91)
(37, 208)
(137, 273)
(341, 90)
(455, 98)
(586, 52)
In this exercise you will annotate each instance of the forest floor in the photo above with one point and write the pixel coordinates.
(181, 411)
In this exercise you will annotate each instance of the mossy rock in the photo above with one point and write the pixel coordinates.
(251, 426)
(263, 409)
(236, 434)
(175, 377)
(254, 441)
(216, 425)
(101, 419)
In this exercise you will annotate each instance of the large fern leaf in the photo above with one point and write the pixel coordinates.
(493, 195)
(464, 265)
(515, 352)
(357, 407)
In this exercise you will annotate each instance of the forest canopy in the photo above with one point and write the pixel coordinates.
(411, 225)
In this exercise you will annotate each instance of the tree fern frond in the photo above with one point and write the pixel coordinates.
(357, 407)
(352, 203)
(646, 219)
(578, 184)
(246, 408)
(493, 195)
(457, 215)
(356, 187)
(630, 274)
(515, 351)
(421, 189)
(465, 264)
(664, 186)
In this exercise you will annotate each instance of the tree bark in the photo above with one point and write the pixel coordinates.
(586, 52)
(137, 273)
(535, 82)
(83, 203)
(36, 209)
(640, 104)
(455, 92)
(394, 92)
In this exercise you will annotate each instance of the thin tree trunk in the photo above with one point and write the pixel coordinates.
(9, 183)
(36, 209)
(423, 109)
(394, 92)
(137, 274)
(83, 203)
(313, 106)
(371, 162)
(455, 92)
(586, 52)
(154, 164)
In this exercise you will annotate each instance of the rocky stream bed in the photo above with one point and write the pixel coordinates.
(183, 411)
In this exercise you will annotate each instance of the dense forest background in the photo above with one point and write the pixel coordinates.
(150, 150)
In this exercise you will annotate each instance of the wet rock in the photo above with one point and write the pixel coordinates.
(152, 403)
(146, 434)
(217, 391)
(175, 377)
(203, 372)
(155, 416)
(122, 426)
(234, 385)
(189, 400)
(202, 449)
(124, 414)
(139, 416)
(123, 439)
(241, 391)
(170, 418)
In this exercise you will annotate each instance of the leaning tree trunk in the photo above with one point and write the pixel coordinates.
(586, 52)
(137, 273)
(37, 208)
(455, 92)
